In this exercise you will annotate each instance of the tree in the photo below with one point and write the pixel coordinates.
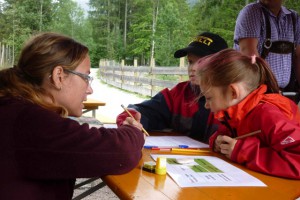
(174, 31)
(293, 4)
(67, 18)
(21, 20)
(140, 30)
(118, 29)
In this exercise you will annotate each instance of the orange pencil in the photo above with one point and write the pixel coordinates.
(181, 150)
(248, 134)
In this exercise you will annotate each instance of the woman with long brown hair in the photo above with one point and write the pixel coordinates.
(43, 151)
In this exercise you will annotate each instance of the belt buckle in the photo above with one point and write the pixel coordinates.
(268, 46)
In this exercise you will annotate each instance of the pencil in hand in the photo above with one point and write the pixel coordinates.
(146, 133)
(248, 134)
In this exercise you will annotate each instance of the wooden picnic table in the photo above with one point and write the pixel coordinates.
(92, 105)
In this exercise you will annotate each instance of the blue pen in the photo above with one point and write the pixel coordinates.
(183, 146)
(150, 147)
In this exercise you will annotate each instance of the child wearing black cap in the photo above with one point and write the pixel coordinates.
(177, 109)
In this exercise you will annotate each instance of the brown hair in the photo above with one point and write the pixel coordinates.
(40, 55)
(230, 66)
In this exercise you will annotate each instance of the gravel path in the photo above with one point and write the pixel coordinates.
(113, 98)
(104, 193)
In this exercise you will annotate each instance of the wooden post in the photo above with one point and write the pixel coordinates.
(135, 62)
(182, 62)
(8, 56)
(1, 56)
(107, 78)
(135, 73)
(122, 72)
(152, 62)
(152, 87)
(102, 70)
(181, 65)
(100, 63)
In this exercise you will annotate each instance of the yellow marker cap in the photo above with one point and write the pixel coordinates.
(161, 166)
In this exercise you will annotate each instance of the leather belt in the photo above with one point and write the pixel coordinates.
(281, 47)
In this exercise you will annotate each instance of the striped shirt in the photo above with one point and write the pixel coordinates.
(251, 24)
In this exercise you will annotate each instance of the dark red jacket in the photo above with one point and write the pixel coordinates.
(177, 109)
(42, 153)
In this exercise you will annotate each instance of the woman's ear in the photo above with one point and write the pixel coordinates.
(56, 77)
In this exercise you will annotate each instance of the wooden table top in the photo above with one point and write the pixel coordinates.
(92, 103)
(139, 184)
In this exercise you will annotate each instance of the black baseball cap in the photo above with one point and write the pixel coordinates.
(204, 44)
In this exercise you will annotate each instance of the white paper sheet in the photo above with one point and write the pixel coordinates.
(173, 142)
(207, 171)
(105, 125)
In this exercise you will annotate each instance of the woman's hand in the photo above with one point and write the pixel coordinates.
(225, 145)
(134, 122)
(122, 116)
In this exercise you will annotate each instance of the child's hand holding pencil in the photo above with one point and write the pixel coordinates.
(225, 144)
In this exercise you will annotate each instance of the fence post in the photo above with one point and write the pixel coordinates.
(6, 56)
(152, 65)
(102, 70)
(2, 59)
(181, 65)
(1, 55)
(99, 66)
(122, 72)
(107, 65)
(135, 74)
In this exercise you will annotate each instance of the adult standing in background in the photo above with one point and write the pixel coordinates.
(268, 29)
(177, 109)
(42, 151)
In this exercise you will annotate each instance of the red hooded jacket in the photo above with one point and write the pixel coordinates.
(274, 151)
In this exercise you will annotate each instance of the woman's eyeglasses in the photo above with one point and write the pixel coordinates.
(85, 77)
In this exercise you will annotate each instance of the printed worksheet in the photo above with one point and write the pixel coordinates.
(194, 171)
(173, 141)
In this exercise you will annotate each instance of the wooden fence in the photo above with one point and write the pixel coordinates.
(6, 56)
(140, 79)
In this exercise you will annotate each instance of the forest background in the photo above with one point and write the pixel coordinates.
(147, 30)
